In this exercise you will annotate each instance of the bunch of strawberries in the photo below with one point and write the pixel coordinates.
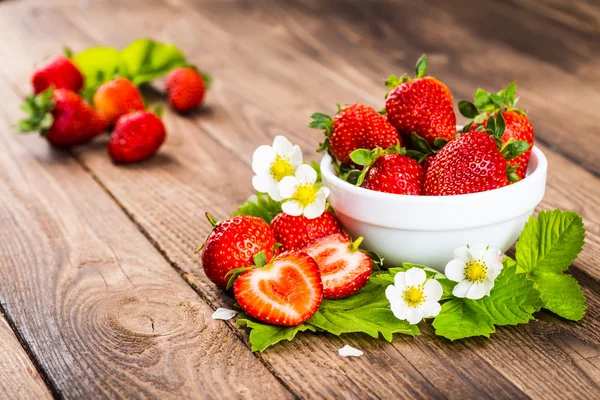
(281, 272)
(412, 147)
(60, 114)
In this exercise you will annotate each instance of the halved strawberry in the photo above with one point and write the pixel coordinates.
(287, 291)
(344, 269)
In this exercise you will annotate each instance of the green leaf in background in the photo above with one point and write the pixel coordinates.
(98, 65)
(262, 207)
(513, 300)
(463, 318)
(263, 335)
(145, 60)
(547, 247)
(483, 101)
(467, 109)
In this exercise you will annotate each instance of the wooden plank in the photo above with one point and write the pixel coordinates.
(18, 377)
(242, 117)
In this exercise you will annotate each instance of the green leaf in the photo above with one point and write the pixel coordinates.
(420, 144)
(263, 335)
(320, 121)
(260, 259)
(483, 100)
(561, 294)
(463, 318)
(145, 60)
(98, 65)
(438, 143)
(497, 100)
(510, 92)
(262, 207)
(551, 242)
(421, 68)
(361, 157)
(500, 126)
(467, 109)
(353, 176)
(317, 169)
(515, 149)
(392, 82)
(513, 300)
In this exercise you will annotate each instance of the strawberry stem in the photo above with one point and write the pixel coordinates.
(211, 219)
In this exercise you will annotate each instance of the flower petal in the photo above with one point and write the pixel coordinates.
(399, 281)
(349, 351)
(392, 294)
(323, 194)
(282, 145)
(461, 289)
(287, 186)
(306, 174)
(314, 210)
(455, 270)
(414, 315)
(400, 310)
(493, 258)
(263, 182)
(478, 251)
(462, 254)
(296, 157)
(433, 290)
(476, 291)
(489, 285)
(431, 309)
(224, 314)
(292, 208)
(262, 158)
(415, 277)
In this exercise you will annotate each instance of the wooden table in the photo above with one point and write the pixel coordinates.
(101, 292)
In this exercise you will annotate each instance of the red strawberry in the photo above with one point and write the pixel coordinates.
(116, 98)
(296, 232)
(59, 73)
(186, 88)
(287, 291)
(344, 269)
(518, 126)
(136, 137)
(354, 127)
(232, 244)
(421, 106)
(472, 163)
(62, 117)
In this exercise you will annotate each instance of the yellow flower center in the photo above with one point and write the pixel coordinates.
(476, 271)
(281, 167)
(413, 296)
(305, 194)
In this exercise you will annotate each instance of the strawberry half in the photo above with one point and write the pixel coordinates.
(344, 269)
(421, 107)
(287, 291)
(296, 232)
(517, 125)
(232, 244)
(354, 127)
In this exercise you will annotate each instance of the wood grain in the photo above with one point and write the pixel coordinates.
(283, 62)
(18, 377)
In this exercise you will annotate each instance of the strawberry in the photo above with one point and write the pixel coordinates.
(389, 171)
(421, 108)
(354, 127)
(518, 126)
(287, 291)
(116, 98)
(296, 232)
(59, 73)
(186, 88)
(232, 244)
(136, 137)
(344, 269)
(62, 117)
(474, 162)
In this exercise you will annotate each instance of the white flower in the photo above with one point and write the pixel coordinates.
(414, 297)
(303, 194)
(273, 163)
(349, 351)
(224, 314)
(475, 269)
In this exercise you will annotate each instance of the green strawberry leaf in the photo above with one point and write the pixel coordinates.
(421, 68)
(514, 149)
(321, 121)
(483, 101)
(509, 93)
(262, 207)
(264, 335)
(467, 109)
(99, 65)
(463, 318)
(561, 294)
(145, 60)
(361, 157)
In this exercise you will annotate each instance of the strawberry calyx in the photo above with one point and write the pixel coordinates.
(420, 70)
(260, 261)
(323, 122)
(366, 158)
(38, 108)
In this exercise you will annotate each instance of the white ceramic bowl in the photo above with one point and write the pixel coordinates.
(426, 229)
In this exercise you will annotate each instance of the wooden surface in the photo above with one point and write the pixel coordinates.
(98, 275)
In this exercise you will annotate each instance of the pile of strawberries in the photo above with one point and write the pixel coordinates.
(412, 147)
(281, 272)
(60, 114)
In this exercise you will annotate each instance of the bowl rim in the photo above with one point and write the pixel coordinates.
(540, 168)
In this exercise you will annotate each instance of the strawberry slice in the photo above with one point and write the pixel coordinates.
(344, 269)
(287, 291)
